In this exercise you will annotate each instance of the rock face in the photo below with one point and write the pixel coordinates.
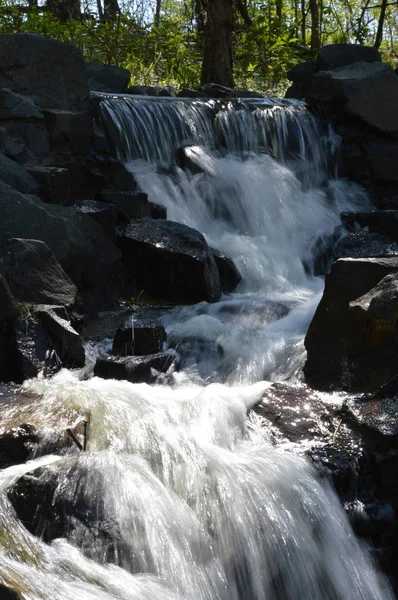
(107, 78)
(65, 339)
(29, 62)
(334, 56)
(78, 243)
(362, 244)
(34, 274)
(366, 90)
(229, 274)
(15, 106)
(384, 222)
(352, 340)
(16, 176)
(170, 261)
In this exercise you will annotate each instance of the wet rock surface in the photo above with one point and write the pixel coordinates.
(136, 369)
(229, 274)
(384, 222)
(346, 349)
(363, 244)
(170, 261)
(65, 339)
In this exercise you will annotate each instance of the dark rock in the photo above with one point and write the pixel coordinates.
(69, 132)
(157, 211)
(103, 213)
(333, 56)
(3, 139)
(139, 338)
(295, 413)
(16, 446)
(229, 274)
(383, 160)
(132, 205)
(376, 420)
(214, 90)
(34, 274)
(152, 90)
(296, 90)
(65, 339)
(362, 244)
(79, 244)
(137, 369)
(107, 78)
(349, 347)
(190, 93)
(53, 182)
(15, 149)
(303, 72)
(33, 349)
(14, 175)
(170, 261)
(15, 106)
(35, 138)
(85, 179)
(248, 94)
(8, 306)
(7, 593)
(366, 90)
(384, 222)
(118, 178)
(53, 71)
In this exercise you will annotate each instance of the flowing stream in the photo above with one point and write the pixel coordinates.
(184, 496)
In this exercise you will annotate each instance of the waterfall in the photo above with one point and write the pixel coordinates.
(182, 495)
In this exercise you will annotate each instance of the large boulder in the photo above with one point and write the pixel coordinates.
(139, 337)
(33, 65)
(15, 106)
(352, 340)
(384, 222)
(364, 244)
(34, 274)
(66, 341)
(8, 306)
(137, 369)
(107, 78)
(79, 244)
(170, 261)
(17, 176)
(69, 131)
(333, 56)
(366, 90)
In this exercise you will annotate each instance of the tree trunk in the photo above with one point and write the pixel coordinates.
(315, 36)
(157, 12)
(380, 26)
(64, 10)
(111, 10)
(217, 50)
(303, 22)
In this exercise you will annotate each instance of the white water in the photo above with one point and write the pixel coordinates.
(197, 502)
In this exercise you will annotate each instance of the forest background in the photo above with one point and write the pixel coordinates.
(249, 44)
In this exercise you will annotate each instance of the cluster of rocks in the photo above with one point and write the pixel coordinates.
(77, 234)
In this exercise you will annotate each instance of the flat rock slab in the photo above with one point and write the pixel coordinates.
(136, 369)
(15, 106)
(363, 244)
(377, 419)
(170, 261)
(296, 413)
(384, 222)
(34, 274)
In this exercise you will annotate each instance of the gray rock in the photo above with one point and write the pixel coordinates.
(190, 93)
(152, 90)
(15, 106)
(170, 261)
(384, 222)
(362, 244)
(137, 369)
(69, 132)
(333, 56)
(34, 274)
(15, 149)
(35, 138)
(78, 243)
(157, 211)
(65, 339)
(132, 205)
(104, 214)
(229, 274)
(303, 72)
(8, 306)
(107, 78)
(344, 349)
(138, 337)
(53, 182)
(214, 90)
(17, 177)
(31, 64)
(365, 90)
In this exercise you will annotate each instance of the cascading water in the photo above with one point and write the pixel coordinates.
(181, 495)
